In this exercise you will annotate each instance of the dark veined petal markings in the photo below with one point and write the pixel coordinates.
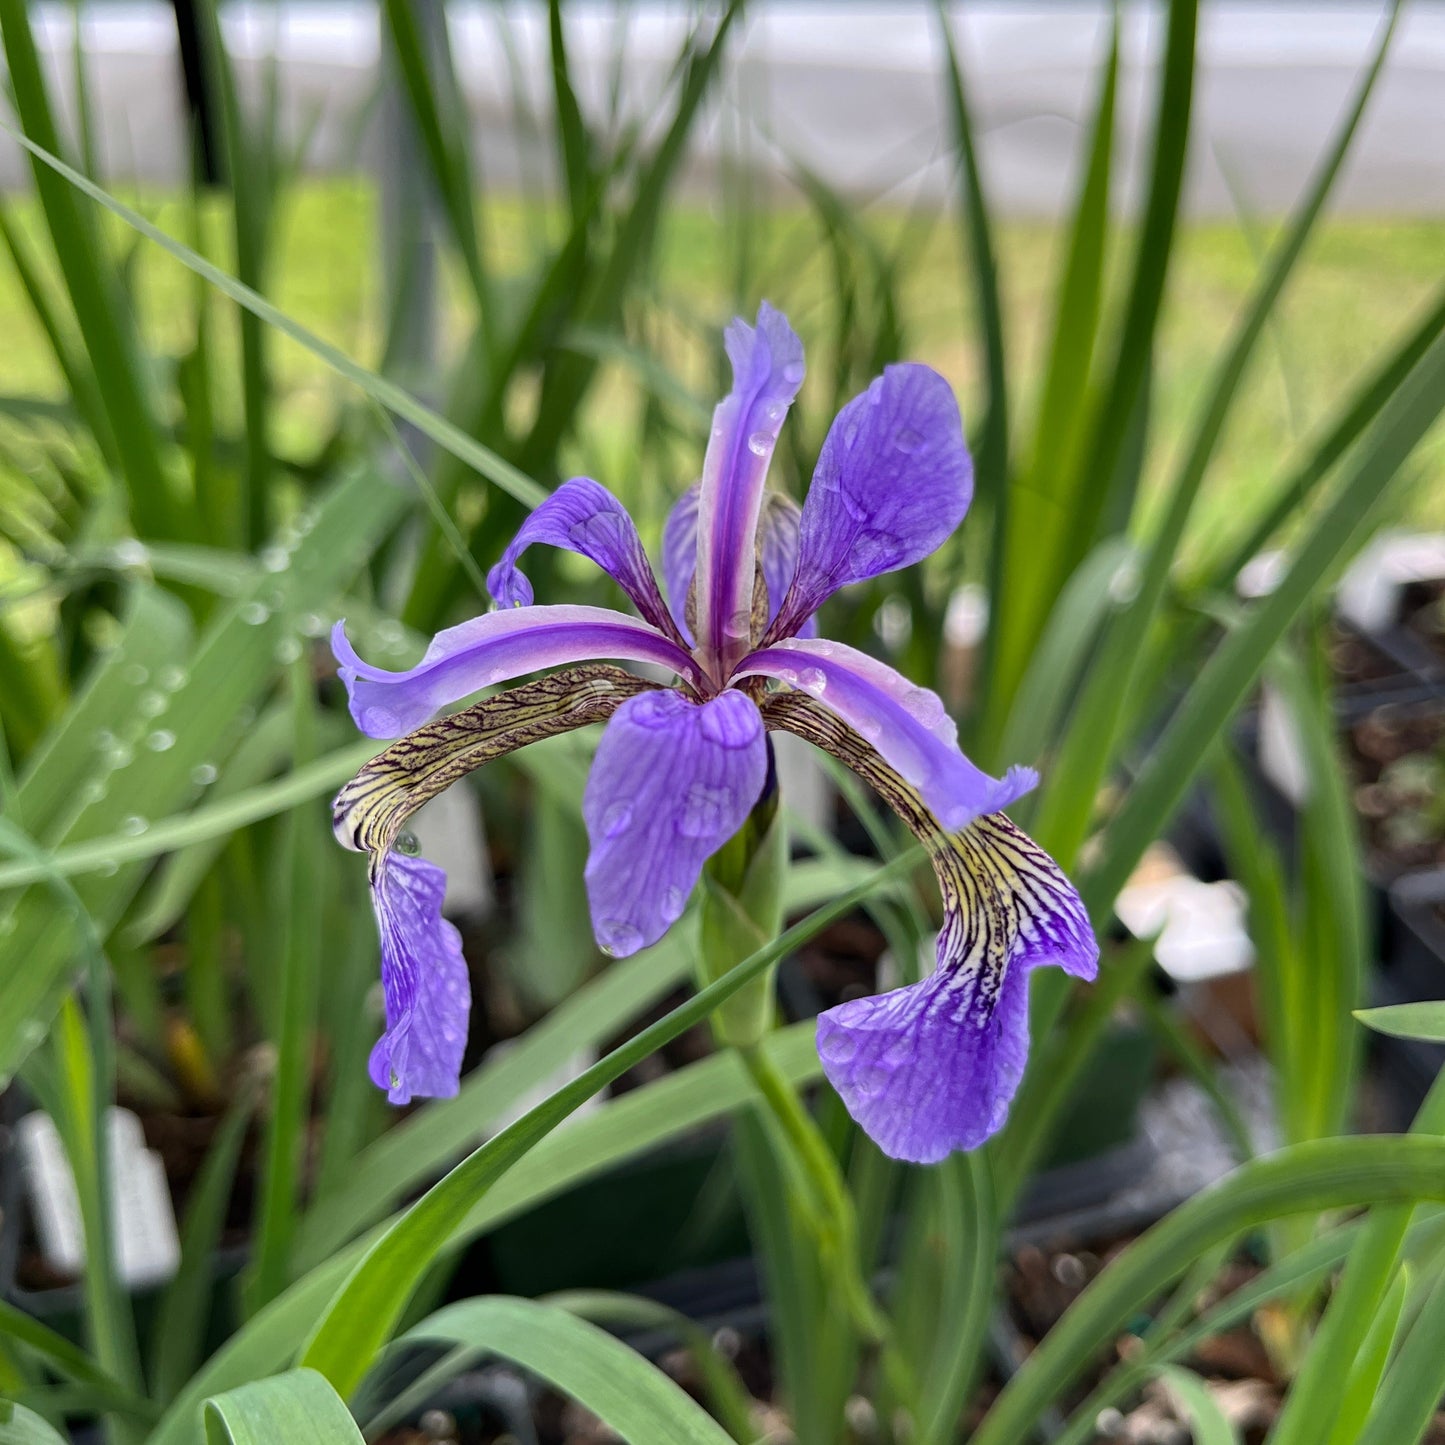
(932, 1067)
(372, 809)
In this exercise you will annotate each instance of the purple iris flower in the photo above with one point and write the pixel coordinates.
(924, 1069)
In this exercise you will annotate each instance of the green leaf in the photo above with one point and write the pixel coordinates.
(69, 1360)
(629, 1395)
(1410, 1395)
(443, 432)
(19, 1426)
(299, 1408)
(1424, 1020)
(362, 1315)
(1369, 1365)
(1209, 1423)
(1326, 1174)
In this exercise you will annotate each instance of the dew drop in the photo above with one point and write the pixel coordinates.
(119, 754)
(134, 825)
(926, 706)
(253, 614)
(135, 675)
(703, 809)
(105, 740)
(838, 1047)
(161, 740)
(813, 679)
(288, 649)
(672, 904)
(908, 440)
(793, 373)
(275, 559)
(313, 624)
(871, 1078)
(173, 678)
(407, 843)
(618, 938)
(616, 819)
(997, 1115)
(775, 411)
(130, 553)
(204, 774)
(760, 444)
(108, 869)
(152, 704)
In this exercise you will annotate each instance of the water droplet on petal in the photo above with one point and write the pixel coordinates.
(871, 1078)
(997, 1115)
(672, 904)
(255, 613)
(204, 774)
(793, 373)
(161, 740)
(616, 819)
(406, 843)
(760, 443)
(907, 440)
(618, 937)
(813, 679)
(134, 825)
(703, 810)
(838, 1046)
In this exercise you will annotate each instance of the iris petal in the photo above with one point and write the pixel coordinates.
(679, 555)
(495, 648)
(768, 369)
(893, 481)
(424, 978)
(933, 1067)
(671, 783)
(908, 725)
(583, 516)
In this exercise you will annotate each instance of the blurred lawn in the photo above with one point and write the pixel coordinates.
(1360, 284)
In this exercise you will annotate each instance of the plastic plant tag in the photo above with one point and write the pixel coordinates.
(1369, 594)
(147, 1246)
(1199, 927)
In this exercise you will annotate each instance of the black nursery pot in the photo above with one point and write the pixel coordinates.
(1414, 973)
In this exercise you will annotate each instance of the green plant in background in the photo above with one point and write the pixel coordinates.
(168, 750)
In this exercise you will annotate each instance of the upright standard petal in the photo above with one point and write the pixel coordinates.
(894, 479)
(908, 725)
(778, 552)
(424, 979)
(933, 1067)
(583, 516)
(672, 781)
(491, 649)
(679, 555)
(768, 369)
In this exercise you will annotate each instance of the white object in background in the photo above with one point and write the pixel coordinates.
(564, 1074)
(450, 832)
(1281, 753)
(1261, 575)
(803, 781)
(1369, 592)
(1198, 928)
(966, 620)
(143, 1223)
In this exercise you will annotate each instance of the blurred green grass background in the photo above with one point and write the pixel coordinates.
(1360, 284)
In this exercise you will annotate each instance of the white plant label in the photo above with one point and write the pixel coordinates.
(143, 1223)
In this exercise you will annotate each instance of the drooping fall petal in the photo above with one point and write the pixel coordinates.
(672, 781)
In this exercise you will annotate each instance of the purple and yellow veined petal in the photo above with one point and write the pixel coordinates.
(768, 369)
(777, 552)
(583, 516)
(932, 1067)
(370, 812)
(893, 481)
(672, 781)
(495, 648)
(424, 977)
(425, 982)
(679, 555)
(908, 725)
